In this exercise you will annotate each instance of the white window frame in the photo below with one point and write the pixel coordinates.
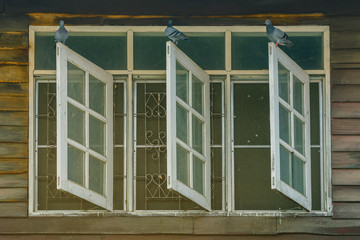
(228, 72)
(63, 56)
(276, 56)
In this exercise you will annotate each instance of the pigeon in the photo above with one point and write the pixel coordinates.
(277, 36)
(61, 34)
(174, 34)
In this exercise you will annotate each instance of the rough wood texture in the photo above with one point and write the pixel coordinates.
(14, 40)
(13, 209)
(14, 73)
(345, 110)
(346, 176)
(13, 134)
(345, 126)
(14, 118)
(345, 39)
(13, 88)
(13, 165)
(13, 150)
(13, 180)
(346, 193)
(345, 93)
(345, 76)
(342, 143)
(346, 210)
(13, 195)
(345, 56)
(14, 103)
(345, 159)
(345, 23)
(14, 56)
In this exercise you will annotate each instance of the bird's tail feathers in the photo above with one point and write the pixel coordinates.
(289, 43)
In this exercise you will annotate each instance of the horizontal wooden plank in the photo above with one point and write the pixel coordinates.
(235, 225)
(346, 193)
(345, 159)
(13, 165)
(346, 176)
(343, 143)
(346, 210)
(345, 65)
(345, 23)
(345, 110)
(13, 209)
(14, 118)
(13, 134)
(345, 93)
(14, 103)
(17, 22)
(13, 194)
(345, 126)
(14, 40)
(13, 88)
(13, 150)
(345, 56)
(345, 39)
(13, 55)
(13, 180)
(14, 73)
(345, 76)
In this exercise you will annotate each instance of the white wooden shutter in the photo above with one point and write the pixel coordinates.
(188, 127)
(84, 128)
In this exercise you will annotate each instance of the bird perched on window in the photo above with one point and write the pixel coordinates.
(61, 34)
(174, 34)
(277, 36)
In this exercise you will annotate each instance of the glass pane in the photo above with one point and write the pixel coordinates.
(198, 175)
(182, 83)
(197, 133)
(284, 80)
(96, 175)
(97, 135)
(108, 52)
(76, 159)
(197, 94)
(251, 114)
(315, 179)
(285, 158)
(182, 165)
(97, 95)
(314, 113)
(76, 83)
(182, 124)
(76, 124)
(284, 124)
(298, 175)
(299, 138)
(298, 97)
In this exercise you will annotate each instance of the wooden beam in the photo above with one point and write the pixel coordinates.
(13, 134)
(13, 180)
(14, 73)
(345, 76)
(13, 209)
(14, 56)
(345, 110)
(13, 194)
(345, 39)
(346, 210)
(343, 143)
(345, 159)
(14, 88)
(14, 40)
(346, 176)
(345, 126)
(13, 165)
(13, 118)
(345, 93)
(345, 56)
(14, 103)
(346, 193)
(13, 150)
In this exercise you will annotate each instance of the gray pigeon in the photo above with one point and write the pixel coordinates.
(174, 34)
(277, 36)
(61, 34)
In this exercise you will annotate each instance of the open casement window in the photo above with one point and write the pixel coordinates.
(290, 128)
(84, 128)
(188, 127)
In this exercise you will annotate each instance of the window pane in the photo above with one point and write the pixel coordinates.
(314, 113)
(96, 175)
(198, 175)
(182, 128)
(97, 95)
(76, 159)
(76, 83)
(298, 97)
(97, 135)
(197, 94)
(182, 165)
(108, 52)
(285, 161)
(298, 174)
(182, 83)
(284, 119)
(197, 133)
(76, 124)
(299, 135)
(284, 80)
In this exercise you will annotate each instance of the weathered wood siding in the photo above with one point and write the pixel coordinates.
(345, 124)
